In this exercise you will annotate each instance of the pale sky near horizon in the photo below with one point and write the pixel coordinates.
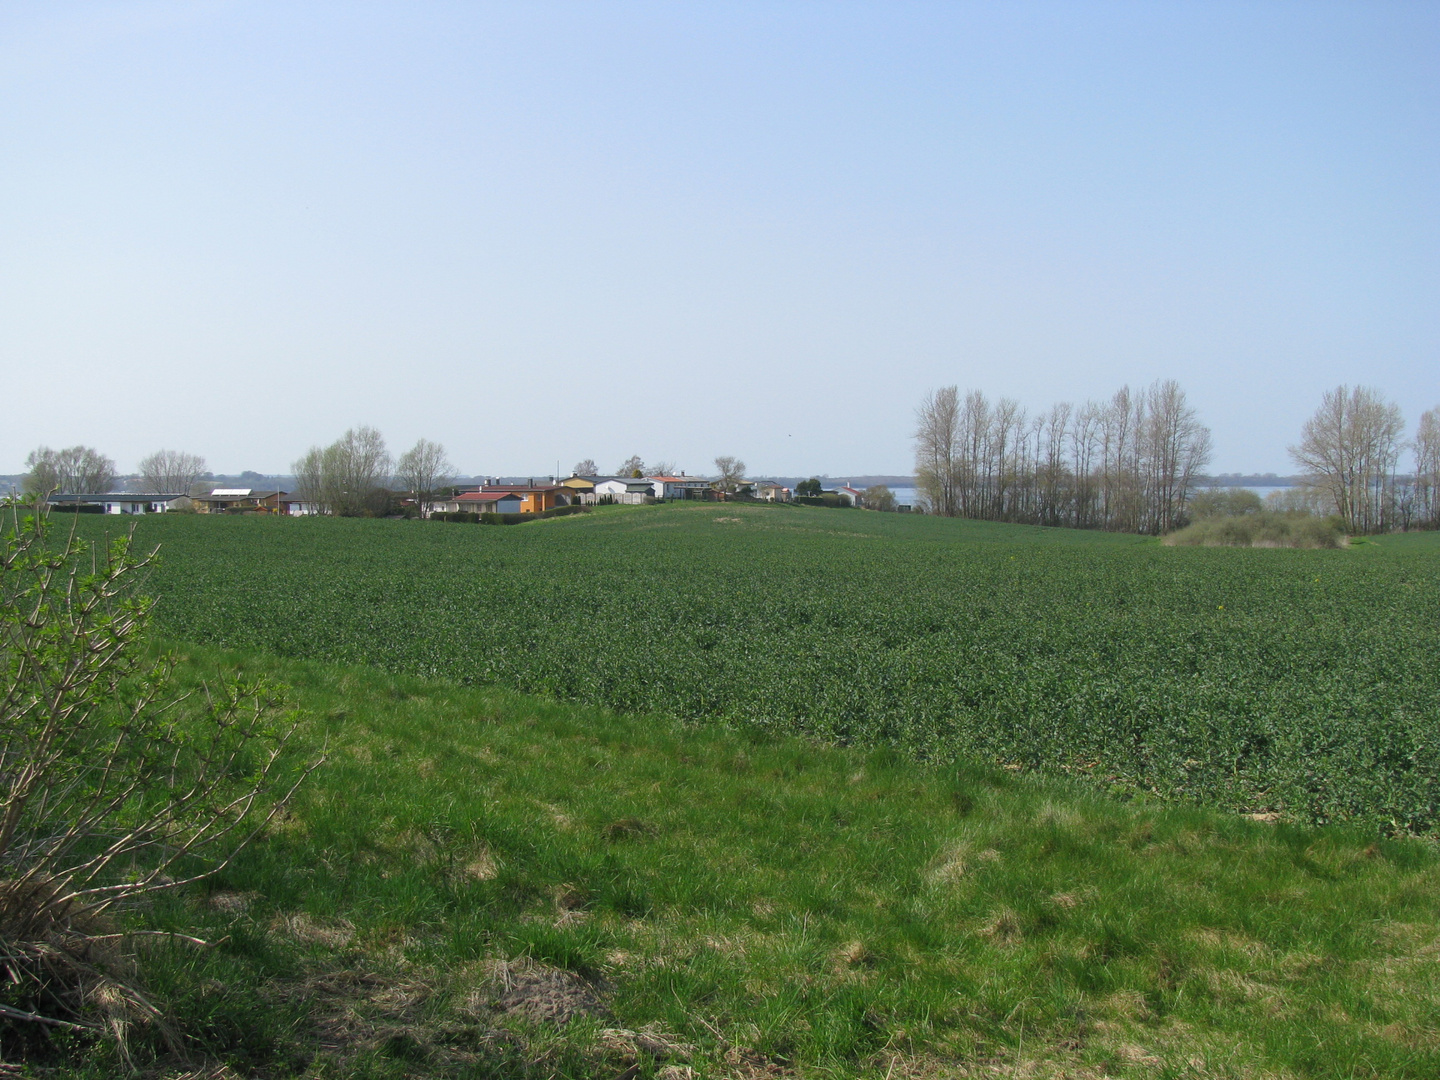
(541, 232)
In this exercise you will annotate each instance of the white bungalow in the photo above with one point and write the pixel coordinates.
(119, 502)
(678, 487)
(620, 489)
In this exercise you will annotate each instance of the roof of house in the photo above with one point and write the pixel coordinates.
(524, 489)
(114, 496)
(236, 494)
(680, 479)
(486, 496)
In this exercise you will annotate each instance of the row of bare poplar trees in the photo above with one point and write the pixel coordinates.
(1127, 464)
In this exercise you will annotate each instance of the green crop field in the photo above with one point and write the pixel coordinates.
(1300, 682)
(678, 874)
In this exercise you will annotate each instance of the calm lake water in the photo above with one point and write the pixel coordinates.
(906, 495)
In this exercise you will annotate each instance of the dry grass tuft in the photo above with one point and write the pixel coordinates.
(481, 866)
(1004, 928)
(626, 829)
(745, 1064)
(232, 903)
(1062, 818)
(650, 1041)
(545, 995)
(1126, 1005)
(1133, 1054)
(951, 864)
(335, 934)
(208, 1072)
(1229, 941)
(67, 968)
(852, 955)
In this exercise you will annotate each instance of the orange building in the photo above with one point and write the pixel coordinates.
(535, 499)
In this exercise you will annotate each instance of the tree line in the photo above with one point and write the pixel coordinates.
(1128, 464)
(1132, 463)
(83, 470)
(355, 475)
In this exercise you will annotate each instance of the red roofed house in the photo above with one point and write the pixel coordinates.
(490, 502)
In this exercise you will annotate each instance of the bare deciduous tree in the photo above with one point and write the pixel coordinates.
(309, 473)
(1350, 449)
(171, 472)
(937, 450)
(1427, 470)
(357, 473)
(76, 470)
(421, 470)
(350, 477)
(1176, 448)
(632, 466)
(730, 471)
(586, 467)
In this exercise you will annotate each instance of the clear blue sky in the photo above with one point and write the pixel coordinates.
(551, 231)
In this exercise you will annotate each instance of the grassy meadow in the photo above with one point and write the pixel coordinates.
(485, 884)
(753, 792)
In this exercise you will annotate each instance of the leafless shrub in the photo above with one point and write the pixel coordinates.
(114, 782)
